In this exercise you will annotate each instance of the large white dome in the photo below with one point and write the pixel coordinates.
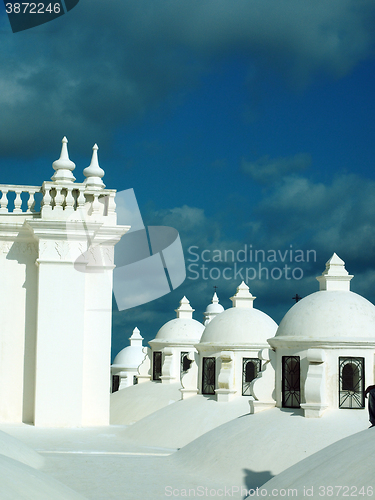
(239, 326)
(330, 315)
(180, 330)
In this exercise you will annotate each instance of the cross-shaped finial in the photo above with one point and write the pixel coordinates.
(215, 287)
(296, 298)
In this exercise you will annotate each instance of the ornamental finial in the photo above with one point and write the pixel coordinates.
(93, 172)
(63, 166)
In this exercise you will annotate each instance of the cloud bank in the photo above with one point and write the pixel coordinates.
(106, 63)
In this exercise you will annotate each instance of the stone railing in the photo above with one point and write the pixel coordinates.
(26, 205)
(58, 200)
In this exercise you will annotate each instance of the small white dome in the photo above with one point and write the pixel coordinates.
(329, 315)
(239, 326)
(130, 357)
(180, 330)
(214, 308)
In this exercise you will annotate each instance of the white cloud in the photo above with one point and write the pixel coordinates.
(329, 217)
(267, 170)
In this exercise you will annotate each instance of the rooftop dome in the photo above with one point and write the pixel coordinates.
(131, 356)
(240, 325)
(214, 307)
(333, 314)
(180, 330)
(212, 310)
(237, 326)
(183, 329)
(329, 315)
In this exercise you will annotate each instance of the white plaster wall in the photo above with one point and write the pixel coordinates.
(331, 379)
(176, 356)
(238, 355)
(60, 345)
(17, 312)
(97, 348)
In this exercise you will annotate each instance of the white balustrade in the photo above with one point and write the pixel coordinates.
(28, 204)
(57, 200)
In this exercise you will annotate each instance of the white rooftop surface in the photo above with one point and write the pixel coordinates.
(21, 482)
(137, 401)
(19, 477)
(178, 424)
(104, 463)
(16, 450)
(347, 466)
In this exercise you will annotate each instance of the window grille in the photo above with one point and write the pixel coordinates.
(185, 363)
(291, 392)
(208, 376)
(250, 369)
(156, 366)
(351, 382)
(135, 380)
(115, 383)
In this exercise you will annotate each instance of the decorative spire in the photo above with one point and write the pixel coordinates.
(136, 338)
(335, 276)
(63, 166)
(93, 172)
(243, 297)
(212, 310)
(185, 310)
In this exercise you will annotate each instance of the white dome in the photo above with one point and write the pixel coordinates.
(130, 357)
(330, 315)
(180, 330)
(238, 326)
(214, 308)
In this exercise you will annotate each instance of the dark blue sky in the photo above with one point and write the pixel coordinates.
(237, 123)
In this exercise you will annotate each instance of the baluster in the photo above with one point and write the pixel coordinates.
(111, 204)
(69, 200)
(59, 199)
(18, 201)
(95, 205)
(46, 201)
(4, 201)
(81, 200)
(31, 202)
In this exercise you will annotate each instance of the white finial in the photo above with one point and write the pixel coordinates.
(243, 297)
(63, 166)
(136, 338)
(335, 276)
(212, 310)
(185, 310)
(93, 172)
